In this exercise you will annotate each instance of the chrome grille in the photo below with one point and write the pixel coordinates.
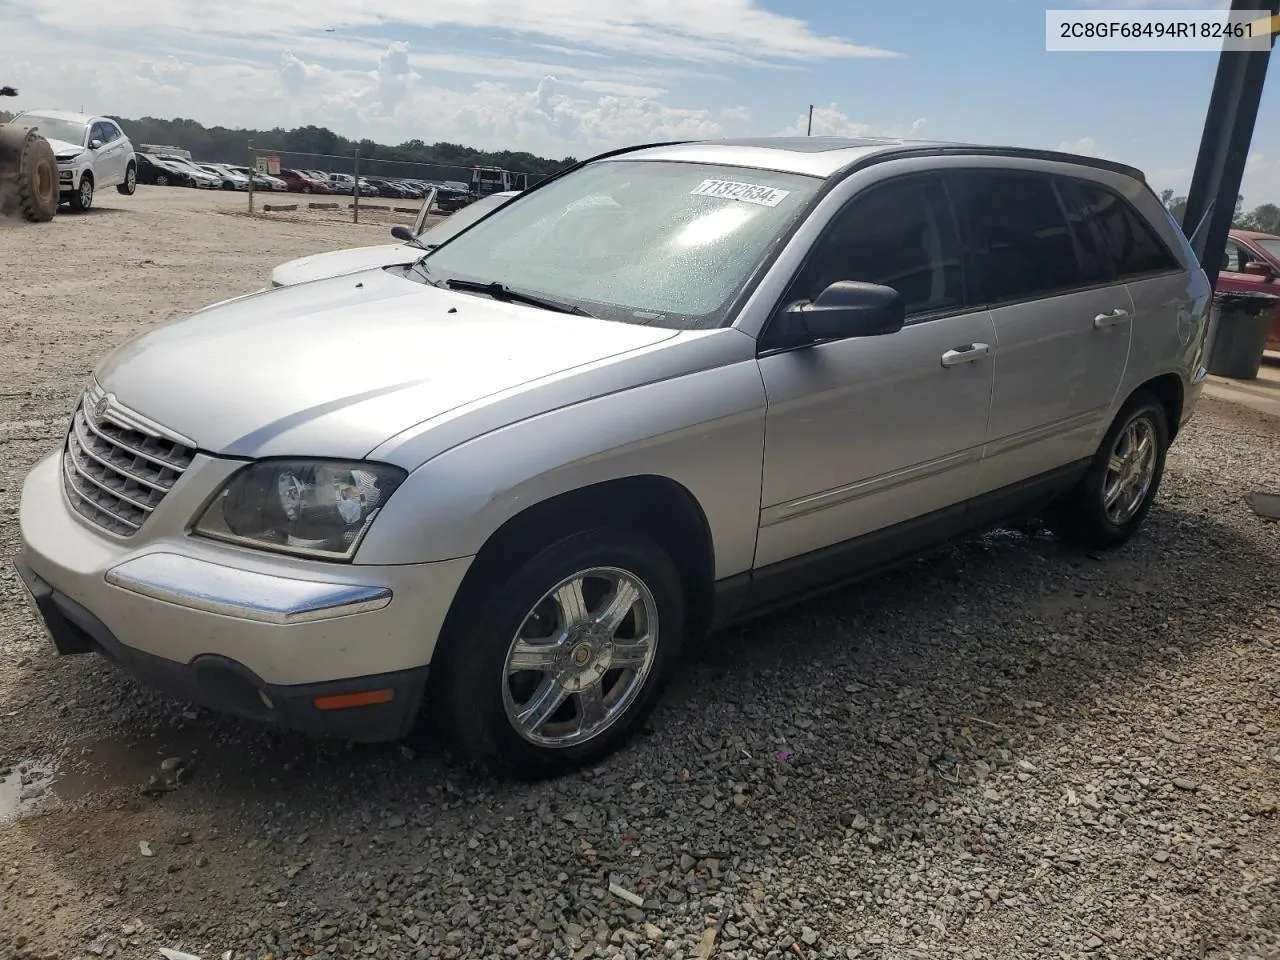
(117, 467)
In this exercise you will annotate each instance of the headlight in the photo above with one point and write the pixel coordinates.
(312, 508)
(68, 157)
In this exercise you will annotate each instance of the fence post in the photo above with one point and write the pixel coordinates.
(252, 166)
(355, 192)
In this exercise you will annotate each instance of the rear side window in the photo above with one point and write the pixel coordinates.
(1021, 241)
(1133, 245)
(1095, 260)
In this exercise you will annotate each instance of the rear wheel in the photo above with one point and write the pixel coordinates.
(82, 196)
(556, 664)
(162, 179)
(1115, 494)
(28, 174)
(130, 183)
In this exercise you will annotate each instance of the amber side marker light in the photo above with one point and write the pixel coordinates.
(365, 698)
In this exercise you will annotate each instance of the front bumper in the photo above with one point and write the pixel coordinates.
(261, 636)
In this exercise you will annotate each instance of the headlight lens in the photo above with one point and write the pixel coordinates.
(311, 508)
(68, 157)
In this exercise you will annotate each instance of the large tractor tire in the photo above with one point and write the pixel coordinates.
(28, 174)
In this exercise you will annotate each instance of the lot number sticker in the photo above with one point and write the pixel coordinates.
(733, 190)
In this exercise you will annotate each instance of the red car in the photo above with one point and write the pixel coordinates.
(300, 182)
(1251, 264)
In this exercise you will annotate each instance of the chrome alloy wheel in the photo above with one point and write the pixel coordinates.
(1130, 470)
(580, 658)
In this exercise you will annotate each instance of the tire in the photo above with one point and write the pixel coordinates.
(477, 696)
(82, 196)
(130, 184)
(162, 180)
(305, 188)
(1105, 509)
(28, 174)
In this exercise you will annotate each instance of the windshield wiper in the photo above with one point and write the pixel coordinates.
(500, 291)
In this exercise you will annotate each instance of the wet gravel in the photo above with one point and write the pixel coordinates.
(1011, 749)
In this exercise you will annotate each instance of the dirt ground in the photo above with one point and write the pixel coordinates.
(1012, 749)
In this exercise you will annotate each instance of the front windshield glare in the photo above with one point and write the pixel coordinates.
(53, 129)
(642, 241)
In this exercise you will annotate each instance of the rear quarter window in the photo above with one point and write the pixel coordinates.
(1133, 245)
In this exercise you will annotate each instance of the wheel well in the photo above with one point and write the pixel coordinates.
(1168, 390)
(657, 507)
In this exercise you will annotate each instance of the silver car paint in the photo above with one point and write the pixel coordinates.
(370, 365)
(367, 355)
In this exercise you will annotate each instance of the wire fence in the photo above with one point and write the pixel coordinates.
(349, 187)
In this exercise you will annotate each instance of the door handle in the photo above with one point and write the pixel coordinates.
(966, 354)
(1110, 319)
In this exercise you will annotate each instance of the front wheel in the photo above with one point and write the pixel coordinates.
(130, 183)
(556, 665)
(162, 180)
(1112, 499)
(82, 198)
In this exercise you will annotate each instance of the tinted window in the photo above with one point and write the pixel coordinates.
(902, 235)
(1234, 258)
(1022, 244)
(100, 132)
(1131, 242)
(1095, 262)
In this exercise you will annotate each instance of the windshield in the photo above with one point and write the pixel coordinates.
(456, 222)
(641, 241)
(1272, 247)
(72, 131)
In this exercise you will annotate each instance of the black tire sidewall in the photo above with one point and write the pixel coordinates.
(1097, 526)
(77, 198)
(468, 665)
(125, 188)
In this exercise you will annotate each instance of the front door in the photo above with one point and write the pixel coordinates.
(866, 433)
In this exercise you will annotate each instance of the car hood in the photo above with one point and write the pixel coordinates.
(336, 367)
(65, 146)
(338, 263)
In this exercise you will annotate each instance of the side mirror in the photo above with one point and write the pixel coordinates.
(847, 308)
(1259, 268)
(95, 144)
(402, 233)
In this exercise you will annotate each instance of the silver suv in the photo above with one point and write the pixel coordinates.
(504, 484)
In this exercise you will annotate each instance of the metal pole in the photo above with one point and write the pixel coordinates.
(355, 192)
(252, 167)
(810, 131)
(1224, 145)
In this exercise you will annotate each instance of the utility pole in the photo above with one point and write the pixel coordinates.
(253, 168)
(810, 131)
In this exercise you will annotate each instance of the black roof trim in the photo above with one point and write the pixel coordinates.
(1015, 153)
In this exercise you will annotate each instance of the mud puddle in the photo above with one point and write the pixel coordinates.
(169, 762)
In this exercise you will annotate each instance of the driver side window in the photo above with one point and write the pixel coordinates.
(901, 234)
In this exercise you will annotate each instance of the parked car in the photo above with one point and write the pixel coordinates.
(261, 181)
(346, 183)
(230, 179)
(92, 153)
(1251, 264)
(659, 392)
(302, 182)
(389, 189)
(336, 263)
(166, 173)
(196, 176)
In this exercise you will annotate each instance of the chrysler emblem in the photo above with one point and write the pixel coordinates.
(101, 406)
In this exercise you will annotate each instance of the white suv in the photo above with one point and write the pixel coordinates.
(92, 152)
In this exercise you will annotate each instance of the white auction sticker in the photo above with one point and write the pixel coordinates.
(734, 190)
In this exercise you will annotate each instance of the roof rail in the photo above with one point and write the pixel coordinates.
(898, 153)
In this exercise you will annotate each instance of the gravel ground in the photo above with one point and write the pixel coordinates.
(1009, 750)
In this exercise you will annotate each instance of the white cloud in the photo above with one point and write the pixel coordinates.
(169, 72)
(296, 74)
(1085, 147)
(831, 121)
(710, 30)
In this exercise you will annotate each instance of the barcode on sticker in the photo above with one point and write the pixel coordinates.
(734, 190)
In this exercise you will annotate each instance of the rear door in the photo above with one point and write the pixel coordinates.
(1062, 324)
(1163, 304)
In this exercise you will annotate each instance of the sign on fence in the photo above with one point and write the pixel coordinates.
(269, 165)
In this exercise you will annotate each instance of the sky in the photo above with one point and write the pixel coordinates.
(574, 77)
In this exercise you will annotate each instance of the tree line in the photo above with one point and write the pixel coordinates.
(230, 145)
(1265, 218)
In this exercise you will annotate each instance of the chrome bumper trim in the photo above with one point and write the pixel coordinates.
(243, 594)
